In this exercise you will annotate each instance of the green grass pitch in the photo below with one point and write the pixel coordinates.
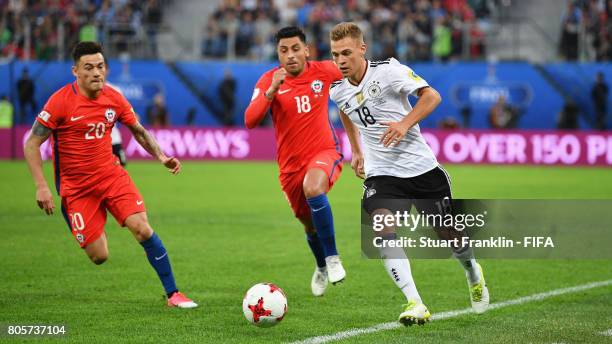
(227, 226)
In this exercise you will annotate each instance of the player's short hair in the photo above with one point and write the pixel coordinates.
(288, 32)
(86, 48)
(346, 29)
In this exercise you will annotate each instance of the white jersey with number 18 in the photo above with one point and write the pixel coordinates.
(382, 96)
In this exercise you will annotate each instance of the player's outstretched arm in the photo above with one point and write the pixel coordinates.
(31, 150)
(264, 93)
(353, 135)
(429, 99)
(148, 142)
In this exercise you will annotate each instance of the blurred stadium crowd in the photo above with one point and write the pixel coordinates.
(591, 17)
(216, 89)
(415, 30)
(423, 30)
(47, 29)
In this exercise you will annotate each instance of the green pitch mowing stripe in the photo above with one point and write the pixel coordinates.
(227, 226)
(453, 314)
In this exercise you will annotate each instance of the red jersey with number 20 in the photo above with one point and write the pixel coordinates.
(299, 112)
(81, 127)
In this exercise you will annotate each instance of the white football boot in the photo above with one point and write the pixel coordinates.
(335, 271)
(415, 312)
(479, 293)
(319, 281)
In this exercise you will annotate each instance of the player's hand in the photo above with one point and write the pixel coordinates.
(44, 198)
(277, 79)
(173, 164)
(357, 165)
(394, 133)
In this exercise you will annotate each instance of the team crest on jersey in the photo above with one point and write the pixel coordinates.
(110, 115)
(374, 90)
(80, 238)
(317, 86)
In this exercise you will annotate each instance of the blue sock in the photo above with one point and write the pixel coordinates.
(316, 248)
(158, 257)
(324, 223)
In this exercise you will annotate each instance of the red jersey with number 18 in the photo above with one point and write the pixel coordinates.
(299, 112)
(81, 126)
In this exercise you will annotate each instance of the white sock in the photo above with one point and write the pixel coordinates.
(466, 259)
(398, 267)
(399, 271)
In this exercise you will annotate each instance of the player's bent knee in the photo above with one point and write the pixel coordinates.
(98, 259)
(97, 251)
(139, 226)
(315, 183)
(314, 190)
(142, 231)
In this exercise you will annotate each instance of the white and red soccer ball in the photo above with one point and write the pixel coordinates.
(264, 305)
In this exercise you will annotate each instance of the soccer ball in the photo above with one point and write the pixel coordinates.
(264, 305)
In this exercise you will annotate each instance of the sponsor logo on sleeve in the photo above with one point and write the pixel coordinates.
(255, 94)
(44, 115)
(414, 76)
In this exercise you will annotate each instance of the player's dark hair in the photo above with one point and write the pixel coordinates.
(86, 48)
(288, 32)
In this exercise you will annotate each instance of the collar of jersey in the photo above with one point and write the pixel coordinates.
(76, 89)
(364, 75)
(306, 68)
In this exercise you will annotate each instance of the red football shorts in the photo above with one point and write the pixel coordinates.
(85, 212)
(292, 184)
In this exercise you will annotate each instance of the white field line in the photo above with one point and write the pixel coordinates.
(453, 314)
(606, 333)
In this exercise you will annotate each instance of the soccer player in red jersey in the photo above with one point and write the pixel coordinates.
(309, 158)
(88, 177)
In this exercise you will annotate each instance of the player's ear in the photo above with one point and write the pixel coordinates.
(306, 51)
(363, 48)
(74, 70)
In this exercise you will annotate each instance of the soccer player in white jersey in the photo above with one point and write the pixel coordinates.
(393, 156)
